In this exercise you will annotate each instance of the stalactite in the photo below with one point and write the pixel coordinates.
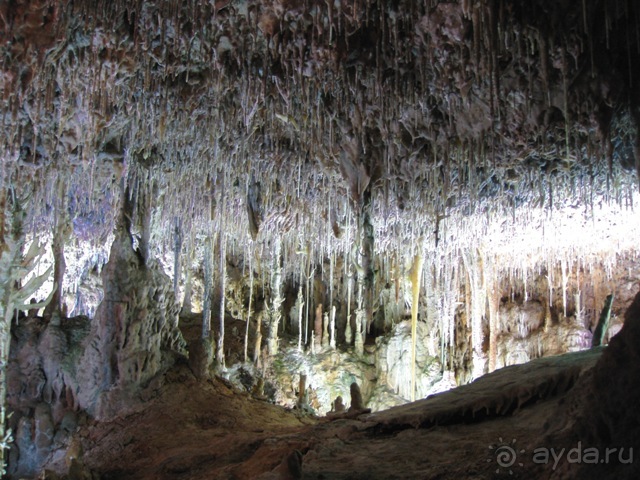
(474, 267)
(493, 298)
(414, 276)
(494, 78)
(257, 346)
(186, 303)
(550, 282)
(275, 310)
(565, 280)
(177, 252)
(544, 64)
(144, 194)
(208, 286)
(348, 331)
(365, 265)
(567, 112)
(310, 274)
(220, 360)
(360, 322)
(317, 326)
(331, 277)
(453, 291)
(524, 282)
(636, 146)
(248, 320)
(332, 328)
(300, 303)
(440, 286)
(607, 24)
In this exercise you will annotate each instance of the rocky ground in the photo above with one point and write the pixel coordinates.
(195, 430)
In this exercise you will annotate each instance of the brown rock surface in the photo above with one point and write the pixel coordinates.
(192, 429)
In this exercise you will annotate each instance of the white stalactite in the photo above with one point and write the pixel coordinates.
(415, 275)
(332, 341)
(300, 303)
(275, 311)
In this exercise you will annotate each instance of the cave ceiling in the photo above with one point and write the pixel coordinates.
(286, 119)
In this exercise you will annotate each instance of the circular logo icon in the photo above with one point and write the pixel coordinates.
(505, 455)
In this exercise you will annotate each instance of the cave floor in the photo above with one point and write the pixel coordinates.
(200, 430)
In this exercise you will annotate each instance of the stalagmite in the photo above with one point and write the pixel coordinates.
(357, 406)
(414, 276)
(348, 332)
(303, 400)
(62, 231)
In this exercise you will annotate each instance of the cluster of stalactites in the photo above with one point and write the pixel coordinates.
(286, 125)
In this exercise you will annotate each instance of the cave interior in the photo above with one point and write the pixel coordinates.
(339, 239)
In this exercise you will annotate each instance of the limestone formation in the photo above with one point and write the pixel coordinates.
(134, 335)
(325, 331)
(303, 399)
(317, 326)
(257, 391)
(319, 150)
(42, 389)
(357, 404)
(338, 406)
(201, 357)
(97, 366)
